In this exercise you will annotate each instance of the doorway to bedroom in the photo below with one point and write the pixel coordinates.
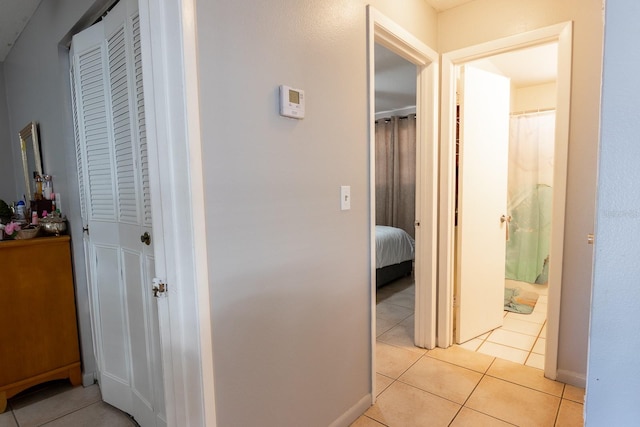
(395, 196)
(414, 303)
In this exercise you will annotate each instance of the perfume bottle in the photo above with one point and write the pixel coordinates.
(37, 195)
(47, 186)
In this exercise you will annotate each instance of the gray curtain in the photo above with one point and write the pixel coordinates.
(396, 172)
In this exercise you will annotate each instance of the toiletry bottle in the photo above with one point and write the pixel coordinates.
(20, 210)
(47, 187)
(37, 195)
(34, 218)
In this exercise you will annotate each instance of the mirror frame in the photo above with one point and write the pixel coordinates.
(30, 131)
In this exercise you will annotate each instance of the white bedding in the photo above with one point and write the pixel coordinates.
(393, 246)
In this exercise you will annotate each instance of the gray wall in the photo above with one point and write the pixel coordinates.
(7, 178)
(37, 83)
(503, 18)
(613, 383)
(289, 271)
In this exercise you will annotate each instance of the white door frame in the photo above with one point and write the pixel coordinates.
(562, 34)
(384, 31)
(170, 72)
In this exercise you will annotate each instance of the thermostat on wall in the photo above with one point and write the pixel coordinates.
(291, 102)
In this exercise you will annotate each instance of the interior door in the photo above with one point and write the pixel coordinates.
(109, 120)
(482, 201)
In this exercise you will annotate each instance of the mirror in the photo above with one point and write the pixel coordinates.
(30, 148)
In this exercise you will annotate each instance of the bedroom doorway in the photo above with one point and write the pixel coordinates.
(395, 191)
(386, 33)
(451, 266)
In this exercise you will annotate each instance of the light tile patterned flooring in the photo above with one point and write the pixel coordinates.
(458, 387)
(58, 404)
(521, 339)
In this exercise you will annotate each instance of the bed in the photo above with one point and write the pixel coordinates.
(395, 251)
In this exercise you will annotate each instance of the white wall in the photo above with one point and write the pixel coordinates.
(613, 382)
(484, 20)
(534, 97)
(37, 82)
(290, 285)
(7, 179)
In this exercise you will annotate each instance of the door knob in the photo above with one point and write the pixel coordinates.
(507, 219)
(146, 238)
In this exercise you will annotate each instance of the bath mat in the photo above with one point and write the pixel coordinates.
(519, 301)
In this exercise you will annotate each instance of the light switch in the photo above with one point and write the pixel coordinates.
(345, 197)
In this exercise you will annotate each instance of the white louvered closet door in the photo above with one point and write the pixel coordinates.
(108, 103)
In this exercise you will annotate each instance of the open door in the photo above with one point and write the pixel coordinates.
(482, 202)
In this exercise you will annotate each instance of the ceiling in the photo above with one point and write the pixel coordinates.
(15, 14)
(527, 67)
(440, 5)
(13, 18)
(395, 83)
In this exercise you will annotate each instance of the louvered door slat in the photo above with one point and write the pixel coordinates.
(123, 143)
(94, 117)
(142, 130)
(79, 147)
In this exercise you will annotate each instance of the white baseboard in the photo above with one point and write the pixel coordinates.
(88, 378)
(572, 378)
(353, 413)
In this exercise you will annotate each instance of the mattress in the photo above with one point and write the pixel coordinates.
(393, 246)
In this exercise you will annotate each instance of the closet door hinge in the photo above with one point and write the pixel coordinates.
(159, 288)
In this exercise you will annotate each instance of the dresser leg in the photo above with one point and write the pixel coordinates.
(3, 401)
(75, 376)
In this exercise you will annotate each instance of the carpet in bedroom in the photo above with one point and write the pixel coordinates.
(519, 301)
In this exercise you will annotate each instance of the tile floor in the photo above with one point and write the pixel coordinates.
(521, 339)
(522, 336)
(455, 386)
(59, 404)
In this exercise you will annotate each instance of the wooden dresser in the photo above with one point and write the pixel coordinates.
(38, 332)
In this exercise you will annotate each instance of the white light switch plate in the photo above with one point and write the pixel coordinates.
(345, 197)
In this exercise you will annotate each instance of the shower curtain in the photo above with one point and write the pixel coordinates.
(531, 146)
(396, 172)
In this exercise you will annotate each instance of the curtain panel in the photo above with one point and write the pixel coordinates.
(530, 192)
(396, 172)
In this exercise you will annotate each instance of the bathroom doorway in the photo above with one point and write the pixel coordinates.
(504, 159)
(450, 236)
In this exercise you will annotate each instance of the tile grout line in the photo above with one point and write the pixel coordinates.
(484, 374)
(555, 420)
(68, 413)
(14, 417)
(534, 344)
(526, 386)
